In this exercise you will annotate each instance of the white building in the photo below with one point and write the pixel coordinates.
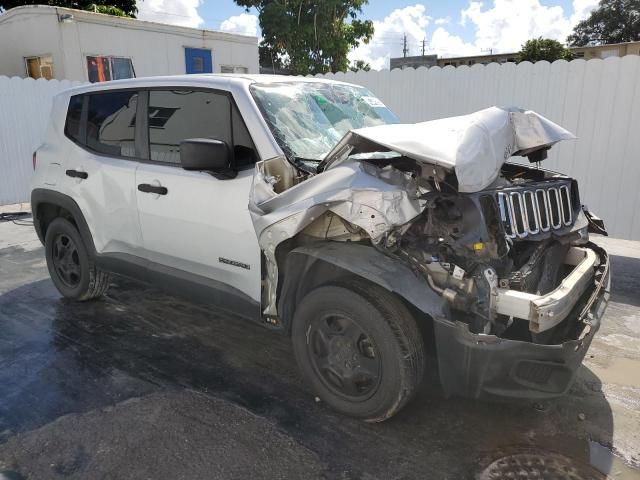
(54, 42)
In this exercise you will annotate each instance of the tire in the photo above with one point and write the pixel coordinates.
(360, 349)
(72, 270)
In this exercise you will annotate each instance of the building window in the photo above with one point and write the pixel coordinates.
(235, 69)
(104, 68)
(39, 67)
(579, 54)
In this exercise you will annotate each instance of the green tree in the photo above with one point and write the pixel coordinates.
(357, 65)
(309, 36)
(111, 7)
(107, 10)
(614, 21)
(543, 49)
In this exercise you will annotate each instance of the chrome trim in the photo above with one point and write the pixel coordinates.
(567, 221)
(527, 212)
(558, 208)
(534, 208)
(546, 210)
(523, 214)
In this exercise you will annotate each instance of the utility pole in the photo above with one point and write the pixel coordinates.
(423, 44)
(405, 50)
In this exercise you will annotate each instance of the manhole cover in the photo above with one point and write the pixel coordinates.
(538, 466)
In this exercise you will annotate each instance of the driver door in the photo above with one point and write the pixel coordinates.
(196, 227)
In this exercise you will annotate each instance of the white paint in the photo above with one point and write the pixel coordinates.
(154, 48)
(598, 100)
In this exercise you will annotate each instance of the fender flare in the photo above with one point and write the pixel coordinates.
(355, 259)
(41, 196)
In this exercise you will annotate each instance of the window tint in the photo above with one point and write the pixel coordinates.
(74, 115)
(111, 123)
(176, 115)
(104, 68)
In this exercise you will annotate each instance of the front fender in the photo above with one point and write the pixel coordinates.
(337, 259)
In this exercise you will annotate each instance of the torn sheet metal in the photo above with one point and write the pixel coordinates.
(371, 198)
(474, 146)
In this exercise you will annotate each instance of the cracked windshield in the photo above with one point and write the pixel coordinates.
(309, 119)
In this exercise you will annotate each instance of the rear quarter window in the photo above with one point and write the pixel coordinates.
(74, 116)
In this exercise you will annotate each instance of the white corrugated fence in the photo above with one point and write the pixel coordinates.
(598, 100)
(24, 115)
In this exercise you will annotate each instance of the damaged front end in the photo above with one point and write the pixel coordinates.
(501, 251)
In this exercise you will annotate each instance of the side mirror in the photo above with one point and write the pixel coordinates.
(205, 154)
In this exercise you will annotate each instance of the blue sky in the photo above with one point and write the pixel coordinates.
(449, 27)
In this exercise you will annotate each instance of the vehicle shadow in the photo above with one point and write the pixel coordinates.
(59, 357)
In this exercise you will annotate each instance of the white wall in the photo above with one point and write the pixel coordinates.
(155, 49)
(24, 115)
(598, 100)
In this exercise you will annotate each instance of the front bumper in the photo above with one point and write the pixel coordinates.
(478, 365)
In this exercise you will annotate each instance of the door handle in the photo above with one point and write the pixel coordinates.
(147, 188)
(77, 174)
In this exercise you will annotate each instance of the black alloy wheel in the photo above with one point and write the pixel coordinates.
(66, 260)
(359, 347)
(344, 356)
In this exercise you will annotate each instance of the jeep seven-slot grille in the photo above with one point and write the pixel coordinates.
(530, 211)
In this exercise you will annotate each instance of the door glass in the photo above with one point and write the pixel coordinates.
(111, 123)
(176, 115)
(197, 64)
(74, 115)
(121, 68)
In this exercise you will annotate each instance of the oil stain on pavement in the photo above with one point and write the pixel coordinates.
(144, 385)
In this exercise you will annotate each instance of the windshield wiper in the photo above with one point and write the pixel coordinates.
(303, 163)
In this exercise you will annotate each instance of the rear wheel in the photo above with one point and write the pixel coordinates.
(72, 271)
(359, 348)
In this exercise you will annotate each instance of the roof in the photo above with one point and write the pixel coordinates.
(122, 22)
(206, 80)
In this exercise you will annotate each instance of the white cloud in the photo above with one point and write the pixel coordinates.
(244, 24)
(507, 24)
(388, 36)
(500, 25)
(175, 12)
(582, 9)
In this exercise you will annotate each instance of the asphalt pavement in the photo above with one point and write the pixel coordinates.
(143, 385)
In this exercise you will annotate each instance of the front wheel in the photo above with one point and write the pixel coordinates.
(360, 349)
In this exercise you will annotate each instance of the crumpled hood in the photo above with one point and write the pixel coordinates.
(474, 146)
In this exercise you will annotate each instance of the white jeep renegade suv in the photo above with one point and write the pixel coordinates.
(303, 205)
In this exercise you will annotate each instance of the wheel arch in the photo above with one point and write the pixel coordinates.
(311, 266)
(46, 205)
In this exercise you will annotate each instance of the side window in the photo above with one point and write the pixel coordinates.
(74, 116)
(243, 147)
(111, 122)
(176, 115)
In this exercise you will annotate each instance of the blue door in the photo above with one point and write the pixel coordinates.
(198, 60)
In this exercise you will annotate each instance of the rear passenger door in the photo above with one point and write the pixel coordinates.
(100, 164)
(200, 225)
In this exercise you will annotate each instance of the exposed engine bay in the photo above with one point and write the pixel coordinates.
(508, 253)
(513, 235)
